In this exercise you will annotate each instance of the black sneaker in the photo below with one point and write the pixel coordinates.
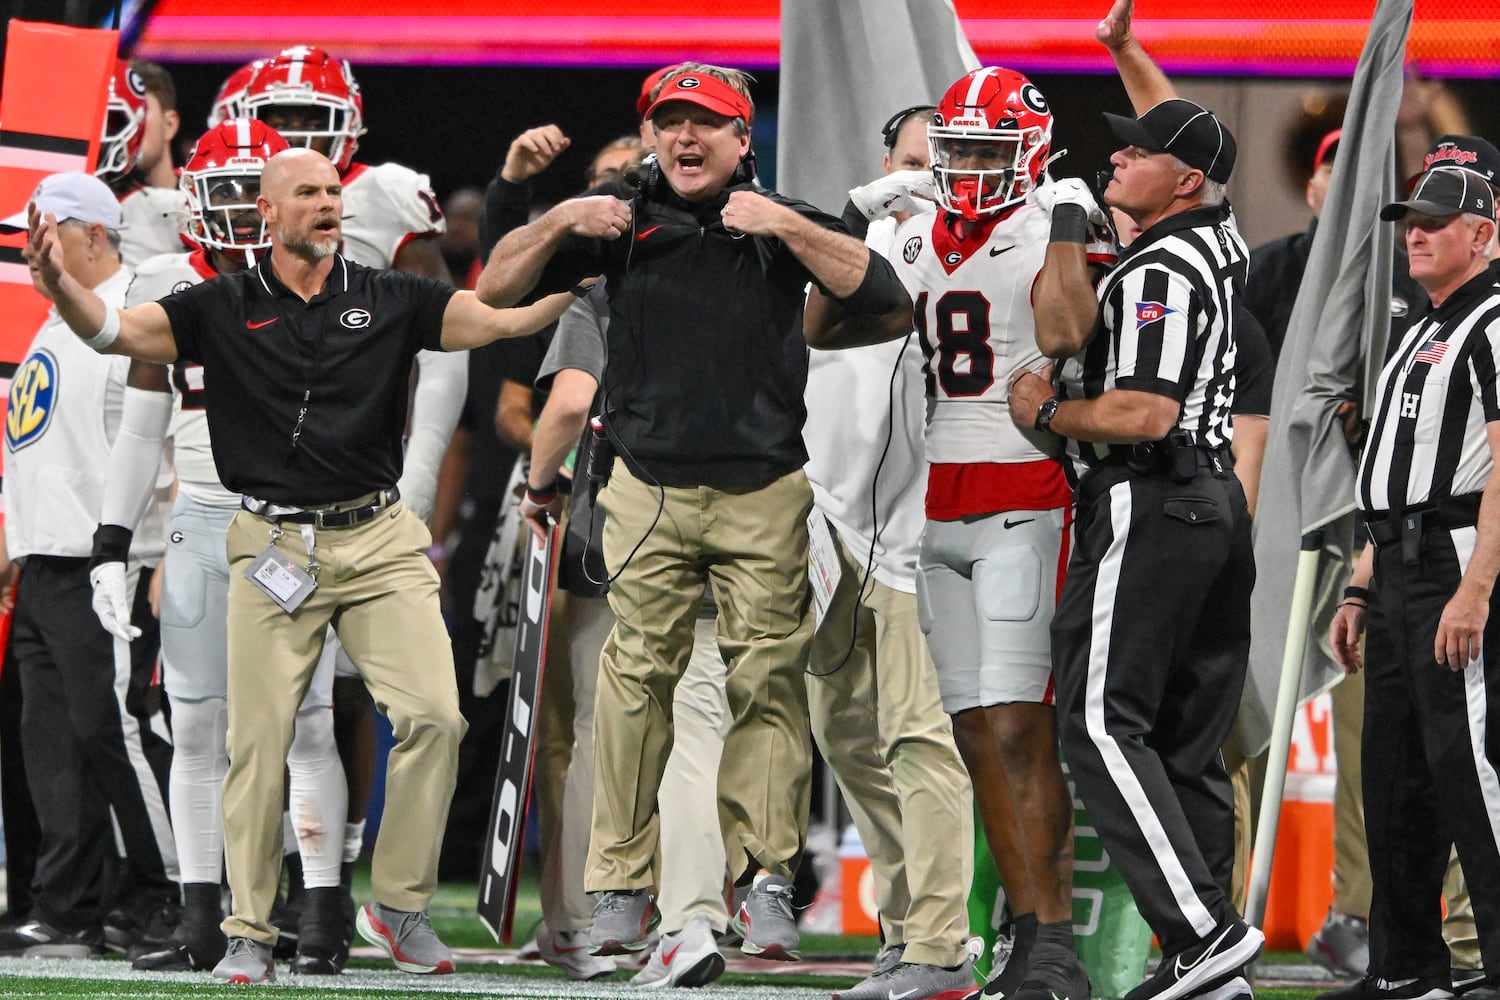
(1465, 980)
(1054, 973)
(1189, 971)
(35, 939)
(1375, 988)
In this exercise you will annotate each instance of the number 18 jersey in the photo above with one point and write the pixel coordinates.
(972, 306)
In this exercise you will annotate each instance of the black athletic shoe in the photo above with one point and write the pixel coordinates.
(1054, 973)
(1375, 988)
(1191, 970)
(35, 939)
(1465, 980)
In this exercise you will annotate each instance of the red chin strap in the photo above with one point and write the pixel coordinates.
(966, 193)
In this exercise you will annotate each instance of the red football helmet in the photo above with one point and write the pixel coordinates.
(222, 180)
(990, 141)
(124, 122)
(308, 96)
(229, 101)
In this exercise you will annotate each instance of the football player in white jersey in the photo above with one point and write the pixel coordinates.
(220, 184)
(998, 502)
(392, 220)
(153, 217)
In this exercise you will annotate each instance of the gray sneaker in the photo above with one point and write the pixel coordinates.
(407, 937)
(623, 922)
(1341, 945)
(766, 922)
(910, 981)
(245, 961)
(887, 958)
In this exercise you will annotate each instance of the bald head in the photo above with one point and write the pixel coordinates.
(291, 166)
(302, 200)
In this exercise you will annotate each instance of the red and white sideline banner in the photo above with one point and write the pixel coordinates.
(54, 91)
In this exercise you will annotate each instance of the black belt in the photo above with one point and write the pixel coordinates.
(335, 515)
(1157, 456)
(1409, 525)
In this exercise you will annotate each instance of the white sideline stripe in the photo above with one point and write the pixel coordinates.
(1129, 786)
(1464, 540)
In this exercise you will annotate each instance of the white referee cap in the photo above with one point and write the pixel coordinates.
(72, 196)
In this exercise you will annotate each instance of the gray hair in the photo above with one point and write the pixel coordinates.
(1210, 192)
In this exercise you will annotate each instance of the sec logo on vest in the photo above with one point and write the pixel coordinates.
(33, 398)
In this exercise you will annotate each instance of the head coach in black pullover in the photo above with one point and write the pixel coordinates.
(306, 358)
(702, 400)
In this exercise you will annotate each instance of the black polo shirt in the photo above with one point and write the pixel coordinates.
(346, 355)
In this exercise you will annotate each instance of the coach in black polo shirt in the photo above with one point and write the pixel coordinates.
(1428, 489)
(1152, 632)
(305, 360)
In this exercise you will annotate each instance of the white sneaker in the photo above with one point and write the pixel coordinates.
(569, 951)
(690, 957)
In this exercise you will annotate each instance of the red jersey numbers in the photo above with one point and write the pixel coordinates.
(959, 337)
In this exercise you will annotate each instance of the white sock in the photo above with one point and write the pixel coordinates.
(196, 786)
(319, 798)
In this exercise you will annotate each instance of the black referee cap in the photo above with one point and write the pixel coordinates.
(1444, 191)
(1187, 131)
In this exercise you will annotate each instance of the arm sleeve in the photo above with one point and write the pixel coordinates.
(135, 456)
(442, 381)
(506, 207)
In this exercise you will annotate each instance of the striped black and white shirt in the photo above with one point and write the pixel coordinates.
(1437, 392)
(1165, 325)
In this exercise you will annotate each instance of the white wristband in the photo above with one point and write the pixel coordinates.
(108, 332)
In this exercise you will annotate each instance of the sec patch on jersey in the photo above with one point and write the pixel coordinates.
(33, 399)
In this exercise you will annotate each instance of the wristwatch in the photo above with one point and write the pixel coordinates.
(1045, 413)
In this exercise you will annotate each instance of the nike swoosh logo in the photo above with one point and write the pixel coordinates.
(1016, 524)
(1213, 947)
(646, 232)
(997, 251)
(256, 326)
(666, 956)
(893, 995)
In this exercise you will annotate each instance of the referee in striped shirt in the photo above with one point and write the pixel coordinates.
(1425, 590)
(1152, 632)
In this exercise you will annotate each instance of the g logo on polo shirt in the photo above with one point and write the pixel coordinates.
(33, 398)
(355, 319)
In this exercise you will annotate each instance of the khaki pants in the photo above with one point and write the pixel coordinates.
(1351, 857)
(381, 593)
(751, 547)
(879, 721)
(690, 863)
(565, 906)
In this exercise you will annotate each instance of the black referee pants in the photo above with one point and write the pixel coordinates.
(1150, 644)
(1430, 762)
(89, 747)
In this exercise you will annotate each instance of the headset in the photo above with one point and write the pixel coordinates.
(648, 183)
(892, 128)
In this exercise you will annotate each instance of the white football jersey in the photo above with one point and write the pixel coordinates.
(154, 220)
(384, 206)
(972, 305)
(193, 457)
